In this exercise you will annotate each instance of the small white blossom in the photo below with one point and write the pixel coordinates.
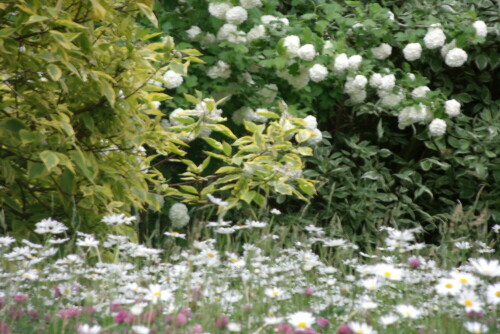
(420, 92)
(219, 9)
(172, 79)
(193, 32)
(318, 72)
(178, 215)
(481, 28)
(434, 38)
(437, 127)
(248, 4)
(354, 62)
(257, 32)
(382, 51)
(236, 15)
(292, 44)
(452, 107)
(341, 63)
(307, 52)
(455, 57)
(412, 51)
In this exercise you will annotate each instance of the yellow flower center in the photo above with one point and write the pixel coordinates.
(464, 280)
(234, 260)
(359, 331)
(497, 293)
(175, 232)
(468, 302)
(210, 254)
(157, 293)
(302, 325)
(449, 285)
(387, 274)
(477, 331)
(275, 293)
(372, 287)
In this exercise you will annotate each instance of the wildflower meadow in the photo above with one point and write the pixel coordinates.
(249, 166)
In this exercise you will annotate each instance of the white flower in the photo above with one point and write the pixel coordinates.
(408, 311)
(178, 215)
(318, 72)
(140, 329)
(313, 140)
(437, 127)
(354, 84)
(256, 32)
(236, 15)
(219, 9)
(375, 80)
(87, 329)
(420, 92)
(175, 234)
(388, 271)
(220, 70)
(452, 108)
(229, 32)
(475, 327)
(391, 100)
(361, 328)
(354, 62)
(493, 294)
(117, 219)
(88, 241)
(301, 320)
(155, 293)
(269, 92)
(50, 226)
(307, 52)
(412, 51)
(388, 319)
(275, 211)
(292, 44)
(172, 79)
(311, 122)
(455, 57)
(434, 38)
(486, 267)
(470, 301)
(357, 96)
(234, 327)
(193, 32)
(327, 46)
(382, 51)
(481, 28)
(447, 47)
(216, 200)
(297, 81)
(447, 286)
(248, 4)
(341, 63)
(387, 82)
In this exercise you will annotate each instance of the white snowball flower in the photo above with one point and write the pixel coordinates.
(220, 70)
(391, 100)
(219, 9)
(434, 38)
(420, 92)
(248, 4)
(452, 107)
(341, 62)
(179, 112)
(412, 51)
(314, 140)
(178, 215)
(455, 57)
(307, 52)
(327, 46)
(297, 81)
(193, 32)
(437, 127)
(387, 82)
(318, 73)
(355, 61)
(256, 32)
(375, 80)
(382, 51)
(292, 44)
(411, 76)
(358, 96)
(311, 122)
(355, 83)
(481, 28)
(236, 15)
(172, 79)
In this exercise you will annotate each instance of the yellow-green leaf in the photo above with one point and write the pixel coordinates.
(49, 159)
(54, 72)
(97, 9)
(108, 91)
(36, 18)
(146, 11)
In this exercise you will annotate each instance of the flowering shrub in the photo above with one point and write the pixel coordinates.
(402, 78)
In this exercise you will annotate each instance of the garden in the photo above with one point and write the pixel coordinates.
(252, 166)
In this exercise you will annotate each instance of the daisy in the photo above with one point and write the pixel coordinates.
(388, 271)
(274, 292)
(217, 201)
(388, 319)
(175, 234)
(89, 241)
(475, 327)
(156, 293)
(465, 279)
(117, 219)
(485, 267)
(50, 226)
(408, 311)
(372, 283)
(301, 320)
(470, 300)
(448, 286)
(361, 328)
(493, 294)
(87, 329)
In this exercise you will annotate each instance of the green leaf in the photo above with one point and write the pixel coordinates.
(189, 189)
(108, 91)
(50, 159)
(36, 18)
(148, 13)
(481, 61)
(54, 72)
(307, 187)
(214, 143)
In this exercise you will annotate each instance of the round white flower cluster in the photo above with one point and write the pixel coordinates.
(219, 9)
(257, 32)
(434, 38)
(312, 124)
(248, 4)
(420, 92)
(383, 82)
(481, 28)
(437, 127)
(306, 52)
(452, 107)
(412, 51)
(236, 15)
(220, 70)
(382, 51)
(172, 79)
(455, 57)
(178, 215)
(389, 99)
(355, 88)
(193, 32)
(318, 72)
(274, 21)
(342, 62)
(292, 44)
(229, 32)
(247, 114)
(410, 115)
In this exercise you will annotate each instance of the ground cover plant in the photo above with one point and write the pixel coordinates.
(253, 166)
